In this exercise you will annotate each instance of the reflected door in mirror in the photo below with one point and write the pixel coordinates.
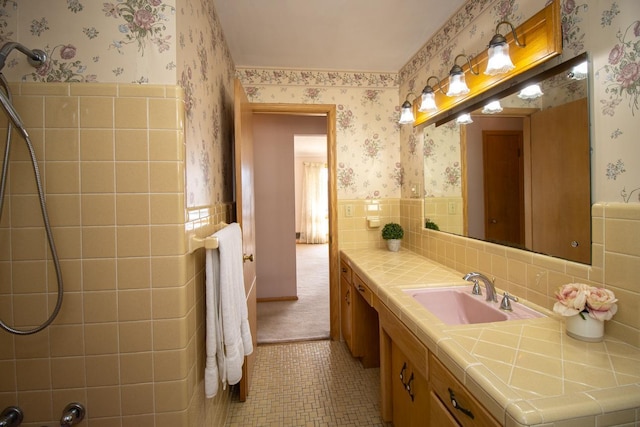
(561, 190)
(503, 187)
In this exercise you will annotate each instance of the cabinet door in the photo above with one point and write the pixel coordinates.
(410, 392)
(346, 312)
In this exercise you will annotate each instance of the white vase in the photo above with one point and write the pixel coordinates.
(393, 245)
(587, 329)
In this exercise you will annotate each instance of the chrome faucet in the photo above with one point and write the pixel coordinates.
(488, 284)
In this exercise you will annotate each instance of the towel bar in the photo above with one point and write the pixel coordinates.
(206, 242)
(209, 242)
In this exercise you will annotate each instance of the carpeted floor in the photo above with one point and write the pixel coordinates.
(308, 317)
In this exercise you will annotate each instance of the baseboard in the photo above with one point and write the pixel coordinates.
(291, 298)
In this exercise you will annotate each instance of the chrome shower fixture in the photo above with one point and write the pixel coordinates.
(35, 57)
(12, 416)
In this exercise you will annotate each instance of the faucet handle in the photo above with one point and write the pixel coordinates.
(476, 288)
(506, 301)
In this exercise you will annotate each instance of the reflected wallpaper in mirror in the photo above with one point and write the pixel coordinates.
(520, 177)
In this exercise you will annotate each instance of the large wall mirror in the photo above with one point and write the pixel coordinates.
(520, 176)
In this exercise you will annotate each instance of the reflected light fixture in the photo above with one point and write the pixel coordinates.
(464, 119)
(492, 108)
(457, 83)
(580, 71)
(531, 92)
(499, 60)
(406, 111)
(428, 103)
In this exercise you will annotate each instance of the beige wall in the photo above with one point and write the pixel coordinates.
(128, 342)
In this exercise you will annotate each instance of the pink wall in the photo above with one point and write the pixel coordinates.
(275, 199)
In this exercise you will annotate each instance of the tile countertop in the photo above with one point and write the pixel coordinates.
(525, 372)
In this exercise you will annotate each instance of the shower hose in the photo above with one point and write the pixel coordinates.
(14, 120)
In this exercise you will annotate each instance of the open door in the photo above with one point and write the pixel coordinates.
(243, 151)
(560, 181)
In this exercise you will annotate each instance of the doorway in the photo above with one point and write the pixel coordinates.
(327, 113)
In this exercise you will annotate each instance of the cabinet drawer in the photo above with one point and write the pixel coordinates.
(467, 410)
(363, 289)
(439, 414)
(345, 271)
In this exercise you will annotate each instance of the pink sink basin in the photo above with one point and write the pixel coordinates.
(457, 306)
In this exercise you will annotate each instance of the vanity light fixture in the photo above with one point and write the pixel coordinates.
(406, 111)
(492, 108)
(531, 92)
(457, 84)
(428, 103)
(464, 119)
(580, 71)
(499, 61)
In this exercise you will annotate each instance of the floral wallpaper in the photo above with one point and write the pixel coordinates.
(608, 30)
(139, 41)
(442, 168)
(180, 42)
(205, 72)
(123, 41)
(367, 110)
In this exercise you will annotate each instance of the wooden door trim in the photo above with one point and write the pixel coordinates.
(328, 110)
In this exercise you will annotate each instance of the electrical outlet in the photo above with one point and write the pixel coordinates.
(452, 208)
(348, 210)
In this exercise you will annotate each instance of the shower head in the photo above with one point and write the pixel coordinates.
(36, 57)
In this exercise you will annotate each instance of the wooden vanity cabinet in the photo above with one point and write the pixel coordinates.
(403, 373)
(345, 304)
(359, 320)
(451, 402)
(409, 390)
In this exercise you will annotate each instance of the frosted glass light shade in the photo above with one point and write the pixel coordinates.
(580, 71)
(464, 119)
(531, 92)
(499, 60)
(492, 108)
(428, 102)
(457, 85)
(406, 115)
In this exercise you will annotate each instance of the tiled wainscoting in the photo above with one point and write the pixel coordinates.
(615, 255)
(129, 340)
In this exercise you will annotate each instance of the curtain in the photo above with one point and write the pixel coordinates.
(314, 222)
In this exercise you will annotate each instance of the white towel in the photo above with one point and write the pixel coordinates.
(233, 302)
(213, 339)
(228, 337)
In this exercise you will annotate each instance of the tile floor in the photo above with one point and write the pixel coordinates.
(311, 383)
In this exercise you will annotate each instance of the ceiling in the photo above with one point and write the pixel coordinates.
(342, 35)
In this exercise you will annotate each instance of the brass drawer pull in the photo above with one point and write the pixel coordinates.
(456, 405)
(361, 288)
(344, 270)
